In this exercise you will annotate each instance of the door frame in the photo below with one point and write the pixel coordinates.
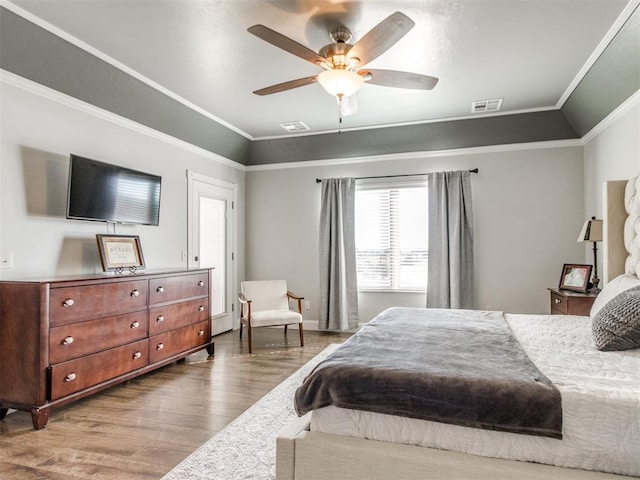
(232, 290)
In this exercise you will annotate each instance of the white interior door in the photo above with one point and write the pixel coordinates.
(211, 243)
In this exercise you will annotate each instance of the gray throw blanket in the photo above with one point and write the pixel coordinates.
(463, 367)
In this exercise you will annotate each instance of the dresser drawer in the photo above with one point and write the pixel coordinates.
(173, 342)
(178, 287)
(77, 339)
(175, 315)
(559, 303)
(75, 375)
(74, 304)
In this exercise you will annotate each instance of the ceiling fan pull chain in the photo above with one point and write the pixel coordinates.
(339, 114)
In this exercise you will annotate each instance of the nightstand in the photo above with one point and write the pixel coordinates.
(566, 302)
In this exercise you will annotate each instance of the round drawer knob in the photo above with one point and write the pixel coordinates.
(201, 333)
(160, 346)
(135, 324)
(67, 340)
(201, 308)
(135, 293)
(160, 289)
(70, 378)
(68, 302)
(160, 319)
(137, 355)
(201, 283)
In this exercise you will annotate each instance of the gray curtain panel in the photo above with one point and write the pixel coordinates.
(338, 279)
(450, 277)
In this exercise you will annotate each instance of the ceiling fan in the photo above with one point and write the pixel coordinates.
(342, 62)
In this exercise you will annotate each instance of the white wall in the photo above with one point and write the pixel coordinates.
(528, 210)
(611, 152)
(39, 129)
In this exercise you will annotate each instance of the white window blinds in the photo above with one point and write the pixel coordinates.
(391, 236)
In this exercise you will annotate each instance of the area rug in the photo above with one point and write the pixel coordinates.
(246, 448)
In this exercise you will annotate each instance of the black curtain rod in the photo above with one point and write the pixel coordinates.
(473, 170)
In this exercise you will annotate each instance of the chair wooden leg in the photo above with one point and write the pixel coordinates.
(240, 330)
(301, 335)
(285, 329)
(249, 337)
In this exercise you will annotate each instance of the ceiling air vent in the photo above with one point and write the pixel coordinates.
(293, 127)
(484, 106)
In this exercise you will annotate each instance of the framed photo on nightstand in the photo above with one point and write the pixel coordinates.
(575, 277)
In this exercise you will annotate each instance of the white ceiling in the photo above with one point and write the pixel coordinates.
(530, 53)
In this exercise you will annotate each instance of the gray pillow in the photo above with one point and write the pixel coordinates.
(617, 325)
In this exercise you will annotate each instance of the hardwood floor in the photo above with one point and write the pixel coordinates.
(143, 428)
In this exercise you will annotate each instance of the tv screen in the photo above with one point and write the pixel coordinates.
(108, 193)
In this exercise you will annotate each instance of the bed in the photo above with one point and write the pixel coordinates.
(599, 390)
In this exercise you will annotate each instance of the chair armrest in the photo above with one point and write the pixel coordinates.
(291, 295)
(244, 301)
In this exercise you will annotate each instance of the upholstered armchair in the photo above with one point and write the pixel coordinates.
(265, 303)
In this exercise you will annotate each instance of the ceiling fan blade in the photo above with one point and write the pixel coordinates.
(381, 37)
(393, 78)
(281, 87)
(286, 43)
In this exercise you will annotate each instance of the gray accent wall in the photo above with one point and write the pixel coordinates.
(34, 53)
(611, 80)
(505, 129)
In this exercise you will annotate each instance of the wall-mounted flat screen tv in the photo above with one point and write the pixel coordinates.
(103, 192)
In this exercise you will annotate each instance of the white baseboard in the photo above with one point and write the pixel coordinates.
(308, 325)
(312, 325)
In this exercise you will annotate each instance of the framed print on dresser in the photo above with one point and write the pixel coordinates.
(118, 252)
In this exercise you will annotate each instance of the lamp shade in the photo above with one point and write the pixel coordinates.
(340, 83)
(591, 231)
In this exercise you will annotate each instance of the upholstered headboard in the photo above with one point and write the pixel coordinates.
(621, 228)
(632, 226)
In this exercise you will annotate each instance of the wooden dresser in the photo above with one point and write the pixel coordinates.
(64, 339)
(565, 302)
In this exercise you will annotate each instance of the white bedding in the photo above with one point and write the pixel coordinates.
(600, 400)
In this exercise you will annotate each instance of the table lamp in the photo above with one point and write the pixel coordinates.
(592, 232)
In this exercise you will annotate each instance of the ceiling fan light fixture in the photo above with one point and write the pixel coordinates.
(340, 83)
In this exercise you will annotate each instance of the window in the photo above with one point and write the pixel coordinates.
(391, 236)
